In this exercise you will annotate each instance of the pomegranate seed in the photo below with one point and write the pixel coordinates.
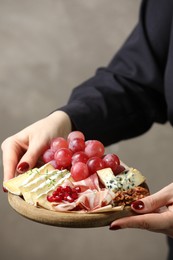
(68, 189)
(69, 198)
(58, 198)
(50, 198)
(74, 195)
(64, 193)
(77, 189)
(59, 189)
(55, 193)
(61, 194)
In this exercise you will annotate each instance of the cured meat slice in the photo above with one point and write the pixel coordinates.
(92, 183)
(91, 197)
(88, 200)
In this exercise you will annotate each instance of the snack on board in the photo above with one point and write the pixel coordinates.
(78, 177)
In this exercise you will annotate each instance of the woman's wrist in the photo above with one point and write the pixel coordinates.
(62, 121)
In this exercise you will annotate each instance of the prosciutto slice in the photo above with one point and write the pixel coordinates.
(88, 200)
(91, 198)
(92, 183)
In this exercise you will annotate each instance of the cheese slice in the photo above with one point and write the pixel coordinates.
(13, 184)
(44, 184)
(16, 184)
(130, 178)
(34, 173)
(37, 179)
(40, 198)
(44, 203)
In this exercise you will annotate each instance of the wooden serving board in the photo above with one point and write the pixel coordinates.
(61, 219)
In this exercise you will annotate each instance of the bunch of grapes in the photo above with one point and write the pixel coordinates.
(81, 157)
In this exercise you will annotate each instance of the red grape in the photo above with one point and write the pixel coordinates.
(58, 143)
(111, 161)
(63, 158)
(76, 145)
(119, 169)
(94, 164)
(75, 134)
(79, 171)
(79, 157)
(94, 148)
(54, 164)
(48, 156)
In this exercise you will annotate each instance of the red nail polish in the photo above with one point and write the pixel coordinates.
(137, 205)
(116, 227)
(23, 167)
(4, 189)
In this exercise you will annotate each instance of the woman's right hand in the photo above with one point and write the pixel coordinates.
(21, 151)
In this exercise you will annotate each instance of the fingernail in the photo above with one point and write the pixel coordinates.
(4, 189)
(23, 167)
(115, 227)
(137, 205)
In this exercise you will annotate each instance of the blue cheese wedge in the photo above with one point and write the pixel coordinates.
(128, 179)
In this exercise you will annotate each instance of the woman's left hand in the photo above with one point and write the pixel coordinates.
(155, 213)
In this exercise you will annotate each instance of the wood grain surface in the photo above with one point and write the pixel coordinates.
(61, 219)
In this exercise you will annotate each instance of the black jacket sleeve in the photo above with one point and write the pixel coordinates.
(124, 99)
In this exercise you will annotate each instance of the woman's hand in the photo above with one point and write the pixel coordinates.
(21, 151)
(156, 210)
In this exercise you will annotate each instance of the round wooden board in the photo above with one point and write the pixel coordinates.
(61, 219)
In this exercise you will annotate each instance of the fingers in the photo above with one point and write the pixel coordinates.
(10, 158)
(18, 157)
(155, 213)
(155, 201)
(21, 151)
(152, 222)
(30, 158)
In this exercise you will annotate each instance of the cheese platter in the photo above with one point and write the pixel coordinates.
(77, 192)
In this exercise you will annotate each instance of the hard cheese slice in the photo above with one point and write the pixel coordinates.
(130, 178)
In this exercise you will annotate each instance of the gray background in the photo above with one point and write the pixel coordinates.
(46, 48)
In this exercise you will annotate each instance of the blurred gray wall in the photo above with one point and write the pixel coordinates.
(47, 47)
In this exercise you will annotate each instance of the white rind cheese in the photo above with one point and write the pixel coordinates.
(42, 184)
(37, 183)
(15, 184)
(128, 179)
